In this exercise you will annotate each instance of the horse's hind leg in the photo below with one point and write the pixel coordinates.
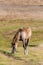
(28, 40)
(26, 49)
(25, 45)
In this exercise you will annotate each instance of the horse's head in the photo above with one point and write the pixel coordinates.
(13, 47)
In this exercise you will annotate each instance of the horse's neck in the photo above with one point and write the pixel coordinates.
(16, 37)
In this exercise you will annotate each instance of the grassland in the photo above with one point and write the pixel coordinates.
(7, 31)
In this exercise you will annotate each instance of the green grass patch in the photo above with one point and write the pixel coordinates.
(7, 26)
(2, 64)
(6, 38)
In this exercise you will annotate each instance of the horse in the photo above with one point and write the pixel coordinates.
(24, 35)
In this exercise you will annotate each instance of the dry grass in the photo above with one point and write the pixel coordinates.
(22, 2)
(20, 9)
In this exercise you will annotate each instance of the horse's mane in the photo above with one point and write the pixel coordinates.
(15, 38)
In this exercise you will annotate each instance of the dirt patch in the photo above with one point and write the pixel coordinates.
(38, 48)
(41, 45)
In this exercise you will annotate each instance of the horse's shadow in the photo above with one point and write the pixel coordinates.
(32, 45)
(9, 55)
(5, 53)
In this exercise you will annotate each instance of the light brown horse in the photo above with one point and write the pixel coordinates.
(24, 35)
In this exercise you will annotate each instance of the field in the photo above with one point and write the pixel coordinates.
(28, 9)
(35, 48)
